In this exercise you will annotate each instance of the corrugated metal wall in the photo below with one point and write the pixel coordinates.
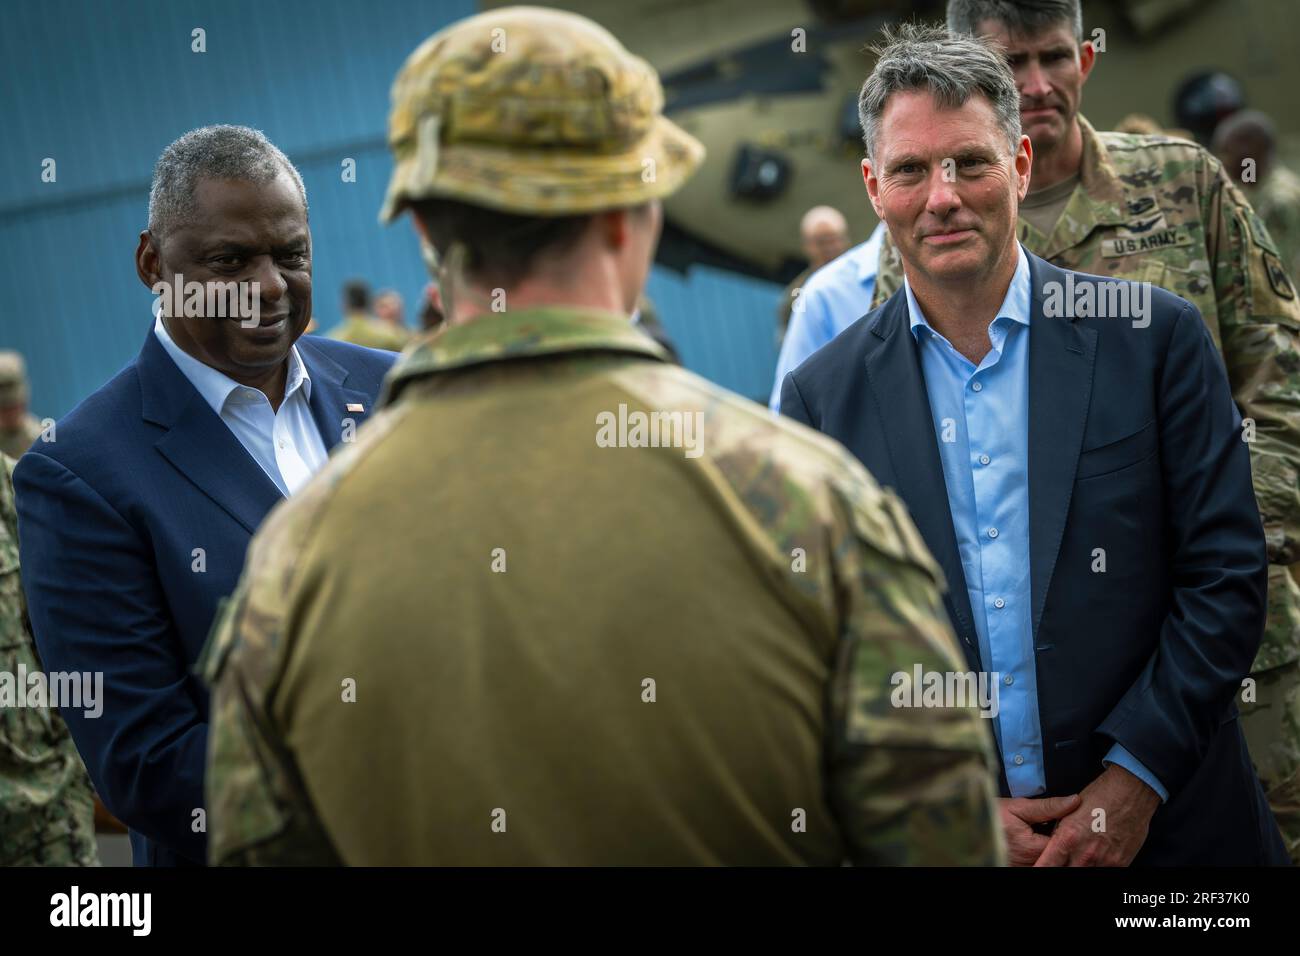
(102, 87)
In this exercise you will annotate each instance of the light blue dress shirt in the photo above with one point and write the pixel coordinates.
(981, 418)
(286, 443)
(833, 298)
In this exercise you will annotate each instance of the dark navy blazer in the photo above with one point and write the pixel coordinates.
(112, 515)
(1135, 453)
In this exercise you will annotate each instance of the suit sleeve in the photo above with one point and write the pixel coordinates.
(1217, 561)
(793, 404)
(96, 606)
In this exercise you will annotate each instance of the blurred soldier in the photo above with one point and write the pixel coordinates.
(360, 327)
(623, 664)
(1246, 142)
(1163, 211)
(824, 233)
(390, 309)
(18, 427)
(1203, 100)
(46, 804)
(1139, 123)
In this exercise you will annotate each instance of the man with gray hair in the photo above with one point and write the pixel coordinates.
(1162, 211)
(1077, 470)
(135, 517)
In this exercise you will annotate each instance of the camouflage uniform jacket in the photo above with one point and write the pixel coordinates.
(370, 333)
(1162, 210)
(1277, 200)
(46, 803)
(567, 652)
(15, 443)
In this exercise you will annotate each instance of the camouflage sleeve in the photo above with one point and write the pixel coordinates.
(259, 813)
(1259, 325)
(889, 272)
(46, 802)
(909, 785)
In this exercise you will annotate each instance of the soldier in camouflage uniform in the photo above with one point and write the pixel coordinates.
(541, 649)
(1162, 210)
(18, 427)
(1246, 142)
(46, 803)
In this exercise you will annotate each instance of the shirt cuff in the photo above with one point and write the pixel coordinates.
(1119, 755)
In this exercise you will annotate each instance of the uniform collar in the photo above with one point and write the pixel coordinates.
(515, 335)
(1098, 200)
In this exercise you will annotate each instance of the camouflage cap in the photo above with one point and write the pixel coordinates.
(532, 111)
(13, 379)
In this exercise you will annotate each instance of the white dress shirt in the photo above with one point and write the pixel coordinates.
(286, 443)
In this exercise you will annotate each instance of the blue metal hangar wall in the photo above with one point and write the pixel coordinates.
(102, 86)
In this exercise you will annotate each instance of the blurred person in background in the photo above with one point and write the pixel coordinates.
(360, 327)
(390, 308)
(19, 428)
(831, 299)
(1246, 142)
(824, 235)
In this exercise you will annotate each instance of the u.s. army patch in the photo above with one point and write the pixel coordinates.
(1128, 245)
(1277, 277)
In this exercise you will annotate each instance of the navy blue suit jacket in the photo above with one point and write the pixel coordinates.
(111, 517)
(1135, 448)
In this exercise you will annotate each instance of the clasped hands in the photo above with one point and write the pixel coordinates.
(1082, 836)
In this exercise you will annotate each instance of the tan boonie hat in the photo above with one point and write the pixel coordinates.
(13, 379)
(532, 111)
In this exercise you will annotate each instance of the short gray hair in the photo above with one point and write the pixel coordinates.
(952, 68)
(1020, 17)
(212, 152)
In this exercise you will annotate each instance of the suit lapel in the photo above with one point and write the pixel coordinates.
(897, 385)
(333, 404)
(198, 443)
(1061, 359)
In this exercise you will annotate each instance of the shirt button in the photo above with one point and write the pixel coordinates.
(281, 442)
(984, 459)
(993, 532)
(999, 603)
(1019, 760)
(1008, 680)
(977, 386)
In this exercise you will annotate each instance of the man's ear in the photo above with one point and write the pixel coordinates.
(615, 227)
(148, 262)
(873, 187)
(1024, 163)
(1087, 59)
